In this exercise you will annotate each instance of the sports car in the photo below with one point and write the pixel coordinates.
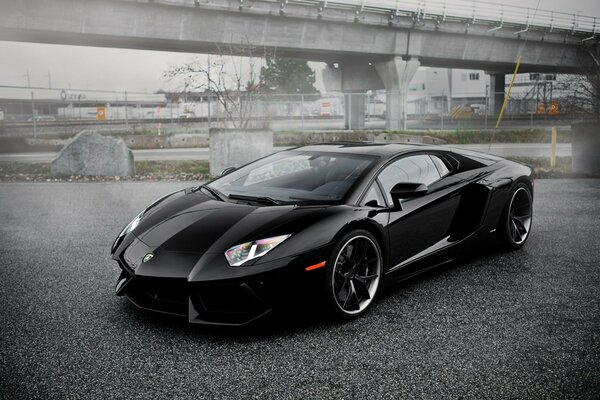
(327, 223)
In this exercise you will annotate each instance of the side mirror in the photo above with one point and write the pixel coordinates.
(228, 170)
(406, 190)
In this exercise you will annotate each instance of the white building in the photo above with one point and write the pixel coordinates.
(435, 89)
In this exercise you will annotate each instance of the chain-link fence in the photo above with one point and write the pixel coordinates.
(35, 111)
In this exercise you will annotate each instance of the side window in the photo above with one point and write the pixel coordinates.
(373, 197)
(441, 166)
(413, 169)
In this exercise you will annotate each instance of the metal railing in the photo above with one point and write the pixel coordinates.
(495, 15)
(473, 11)
(123, 112)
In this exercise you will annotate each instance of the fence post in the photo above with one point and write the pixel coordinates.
(302, 109)
(553, 148)
(531, 123)
(349, 108)
(79, 107)
(487, 107)
(33, 115)
(442, 120)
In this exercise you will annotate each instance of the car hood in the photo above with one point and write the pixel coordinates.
(193, 222)
(186, 234)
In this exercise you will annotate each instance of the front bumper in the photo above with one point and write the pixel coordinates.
(228, 301)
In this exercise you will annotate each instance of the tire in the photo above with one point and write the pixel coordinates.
(354, 274)
(516, 220)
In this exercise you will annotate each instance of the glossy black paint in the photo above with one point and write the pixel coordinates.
(188, 232)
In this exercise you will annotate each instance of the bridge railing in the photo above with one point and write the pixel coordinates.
(496, 15)
(475, 12)
(469, 11)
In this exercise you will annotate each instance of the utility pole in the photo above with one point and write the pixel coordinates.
(28, 81)
(33, 111)
(442, 116)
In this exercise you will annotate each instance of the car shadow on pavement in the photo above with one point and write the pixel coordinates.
(312, 317)
(278, 323)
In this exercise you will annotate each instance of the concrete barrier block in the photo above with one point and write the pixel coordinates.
(236, 147)
(585, 148)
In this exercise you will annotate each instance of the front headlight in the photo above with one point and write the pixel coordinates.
(132, 225)
(239, 254)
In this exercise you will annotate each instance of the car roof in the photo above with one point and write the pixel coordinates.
(366, 148)
(388, 150)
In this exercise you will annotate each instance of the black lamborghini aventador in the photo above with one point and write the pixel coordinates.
(331, 222)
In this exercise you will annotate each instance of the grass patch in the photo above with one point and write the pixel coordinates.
(542, 169)
(145, 170)
(461, 136)
(511, 136)
(23, 168)
(171, 167)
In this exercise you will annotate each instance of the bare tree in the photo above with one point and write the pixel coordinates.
(581, 92)
(231, 76)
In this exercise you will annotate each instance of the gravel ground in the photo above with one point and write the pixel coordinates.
(499, 325)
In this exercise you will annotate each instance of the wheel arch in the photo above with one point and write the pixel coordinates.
(527, 180)
(373, 228)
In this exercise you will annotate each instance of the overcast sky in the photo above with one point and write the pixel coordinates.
(140, 70)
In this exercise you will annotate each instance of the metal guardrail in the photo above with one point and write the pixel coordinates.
(495, 15)
(472, 11)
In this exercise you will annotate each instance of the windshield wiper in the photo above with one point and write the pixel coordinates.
(312, 202)
(214, 192)
(262, 199)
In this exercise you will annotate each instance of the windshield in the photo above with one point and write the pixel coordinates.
(296, 176)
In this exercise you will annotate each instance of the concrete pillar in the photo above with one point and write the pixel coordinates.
(332, 78)
(353, 77)
(396, 75)
(354, 110)
(236, 147)
(497, 83)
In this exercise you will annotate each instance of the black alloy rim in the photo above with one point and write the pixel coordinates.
(520, 215)
(356, 274)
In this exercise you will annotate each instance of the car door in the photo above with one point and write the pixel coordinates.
(423, 223)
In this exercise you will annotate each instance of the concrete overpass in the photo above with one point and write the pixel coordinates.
(367, 44)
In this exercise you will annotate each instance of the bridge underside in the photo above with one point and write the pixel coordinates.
(298, 33)
(373, 52)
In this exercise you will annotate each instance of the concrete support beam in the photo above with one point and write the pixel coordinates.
(497, 84)
(354, 110)
(396, 75)
(332, 78)
(353, 78)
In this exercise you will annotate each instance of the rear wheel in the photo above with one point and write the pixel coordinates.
(517, 217)
(354, 275)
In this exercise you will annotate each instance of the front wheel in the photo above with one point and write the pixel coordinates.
(517, 217)
(354, 275)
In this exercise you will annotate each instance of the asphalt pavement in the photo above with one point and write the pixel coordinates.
(496, 325)
(202, 153)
